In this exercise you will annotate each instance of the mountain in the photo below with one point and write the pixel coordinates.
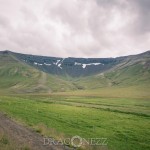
(75, 67)
(132, 70)
(29, 73)
(18, 77)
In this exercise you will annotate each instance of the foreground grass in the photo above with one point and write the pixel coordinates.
(124, 122)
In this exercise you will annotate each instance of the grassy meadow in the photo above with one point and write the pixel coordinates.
(125, 122)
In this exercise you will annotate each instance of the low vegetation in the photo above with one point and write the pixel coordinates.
(123, 121)
(112, 103)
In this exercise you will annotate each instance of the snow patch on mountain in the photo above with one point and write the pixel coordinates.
(35, 63)
(47, 64)
(77, 63)
(84, 65)
(57, 62)
(59, 65)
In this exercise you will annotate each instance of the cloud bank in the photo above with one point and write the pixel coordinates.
(75, 28)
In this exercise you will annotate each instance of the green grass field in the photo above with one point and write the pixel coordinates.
(125, 122)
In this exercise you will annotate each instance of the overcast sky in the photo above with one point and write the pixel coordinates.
(75, 28)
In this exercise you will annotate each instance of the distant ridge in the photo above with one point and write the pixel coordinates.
(22, 73)
(9, 51)
(73, 67)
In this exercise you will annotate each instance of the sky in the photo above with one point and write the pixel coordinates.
(75, 28)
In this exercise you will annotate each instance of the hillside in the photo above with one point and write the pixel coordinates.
(21, 73)
(132, 71)
(72, 67)
(18, 77)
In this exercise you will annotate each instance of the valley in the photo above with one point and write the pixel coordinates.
(66, 97)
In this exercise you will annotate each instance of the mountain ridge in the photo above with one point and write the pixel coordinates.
(10, 51)
(70, 66)
(21, 73)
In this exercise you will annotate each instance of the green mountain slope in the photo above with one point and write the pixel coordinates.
(133, 71)
(130, 78)
(131, 75)
(18, 77)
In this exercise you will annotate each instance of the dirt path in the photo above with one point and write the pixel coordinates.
(43, 82)
(25, 136)
(43, 78)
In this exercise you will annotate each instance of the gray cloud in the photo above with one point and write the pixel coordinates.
(77, 28)
(142, 22)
